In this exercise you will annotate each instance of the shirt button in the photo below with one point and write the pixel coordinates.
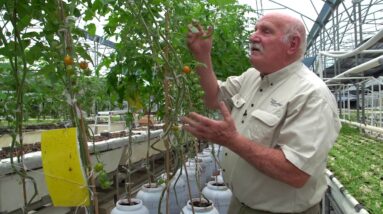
(252, 105)
(225, 153)
(223, 170)
(242, 121)
(261, 90)
(271, 84)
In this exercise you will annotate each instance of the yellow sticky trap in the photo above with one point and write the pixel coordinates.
(64, 175)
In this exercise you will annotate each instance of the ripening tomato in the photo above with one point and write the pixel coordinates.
(186, 69)
(83, 65)
(175, 127)
(68, 60)
(70, 70)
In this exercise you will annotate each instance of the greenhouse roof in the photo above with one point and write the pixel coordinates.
(350, 62)
(321, 20)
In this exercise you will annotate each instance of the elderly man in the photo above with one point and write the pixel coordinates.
(279, 120)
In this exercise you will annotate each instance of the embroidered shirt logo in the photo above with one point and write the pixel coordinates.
(275, 103)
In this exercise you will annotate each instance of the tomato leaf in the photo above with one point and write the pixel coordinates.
(91, 28)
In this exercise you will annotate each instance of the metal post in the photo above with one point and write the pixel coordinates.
(363, 102)
(357, 102)
(348, 102)
(380, 103)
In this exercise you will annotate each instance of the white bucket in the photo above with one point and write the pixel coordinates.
(177, 194)
(217, 178)
(219, 194)
(123, 207)
(188, 209)
(207, 159)
(150, 195)
(196, 177)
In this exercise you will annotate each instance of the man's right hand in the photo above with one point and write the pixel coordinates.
(200, 41)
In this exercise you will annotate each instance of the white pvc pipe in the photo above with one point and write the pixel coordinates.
(320, 67)
(367, 127)
(373, 51)
(348, 78)
(344, 192)
(339, 84)
(360, 68)
(364, 46)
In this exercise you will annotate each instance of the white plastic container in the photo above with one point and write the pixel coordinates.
(207, 159)
(199, 210)
(177, 194)
(218, 151)
(218, 178)
(195, 177)
(220, 194)
(150, 195)
(123, 207)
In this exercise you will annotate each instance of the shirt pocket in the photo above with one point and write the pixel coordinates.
(263, 125)
(238, 101)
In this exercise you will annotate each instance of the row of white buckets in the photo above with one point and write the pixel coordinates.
(209, 193)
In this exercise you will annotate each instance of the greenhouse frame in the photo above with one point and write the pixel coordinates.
(92, 93)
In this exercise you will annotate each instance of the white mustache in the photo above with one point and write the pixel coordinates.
(256, 46)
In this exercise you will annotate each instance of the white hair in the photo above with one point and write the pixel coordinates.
(296, 30)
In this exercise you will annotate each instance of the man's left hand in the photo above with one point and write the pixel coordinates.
(221, 132)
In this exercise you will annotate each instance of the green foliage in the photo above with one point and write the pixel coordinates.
(152, 43)
(349, 130)
(356, 161)
(139, 58)
(103, 180)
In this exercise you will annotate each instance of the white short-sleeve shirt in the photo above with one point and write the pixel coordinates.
(292, 109)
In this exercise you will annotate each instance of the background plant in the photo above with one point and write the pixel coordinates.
(356, 161)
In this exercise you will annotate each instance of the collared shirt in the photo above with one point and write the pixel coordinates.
(292, 109)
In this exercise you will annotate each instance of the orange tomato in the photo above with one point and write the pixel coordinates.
(186, 69)
(83, 65)
(68, 60)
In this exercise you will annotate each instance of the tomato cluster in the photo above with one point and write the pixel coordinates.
(68, 61)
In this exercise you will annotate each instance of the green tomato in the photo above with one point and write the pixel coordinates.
(105, 184)
(70, 70)
(87, 72)
(103, 180)
(98, 167)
